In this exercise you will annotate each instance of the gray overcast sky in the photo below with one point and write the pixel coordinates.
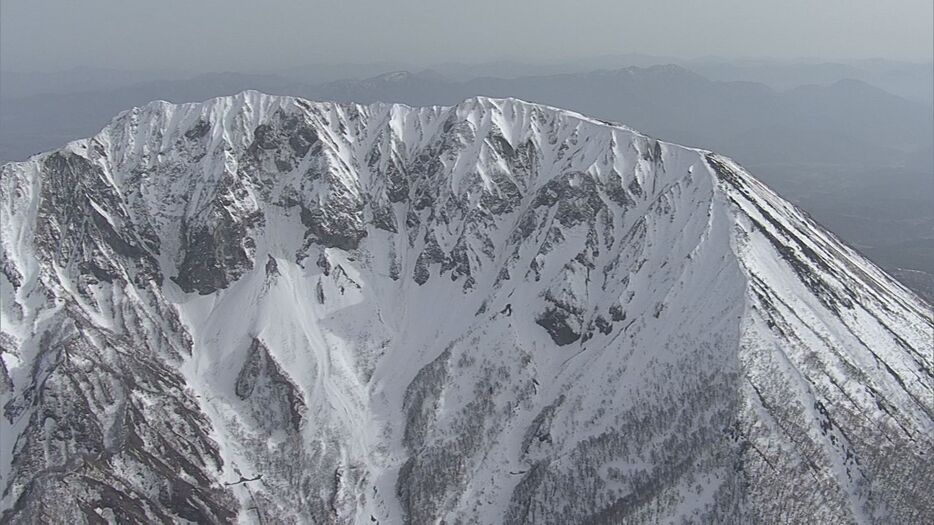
(253, 34)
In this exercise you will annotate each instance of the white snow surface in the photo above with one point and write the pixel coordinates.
(713, 354)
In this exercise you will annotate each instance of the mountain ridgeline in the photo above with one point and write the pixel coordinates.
(267, 309)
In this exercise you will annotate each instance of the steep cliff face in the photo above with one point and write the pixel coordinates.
(269, 309)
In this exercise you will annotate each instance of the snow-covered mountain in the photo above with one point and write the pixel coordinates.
(265, 309)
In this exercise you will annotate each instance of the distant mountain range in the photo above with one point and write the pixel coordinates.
(847, 121)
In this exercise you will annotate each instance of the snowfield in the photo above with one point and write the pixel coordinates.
(262, 309)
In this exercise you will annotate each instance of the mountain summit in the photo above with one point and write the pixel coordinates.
(275, 310)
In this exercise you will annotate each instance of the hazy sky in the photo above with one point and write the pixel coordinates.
(254, 34)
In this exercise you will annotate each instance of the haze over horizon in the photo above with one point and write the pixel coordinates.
(171, 35)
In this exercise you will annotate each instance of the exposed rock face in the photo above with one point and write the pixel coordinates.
(274, 310)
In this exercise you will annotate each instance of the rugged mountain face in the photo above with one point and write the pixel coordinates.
(273, 310)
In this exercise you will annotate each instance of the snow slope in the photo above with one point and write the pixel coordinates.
(263, 309)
